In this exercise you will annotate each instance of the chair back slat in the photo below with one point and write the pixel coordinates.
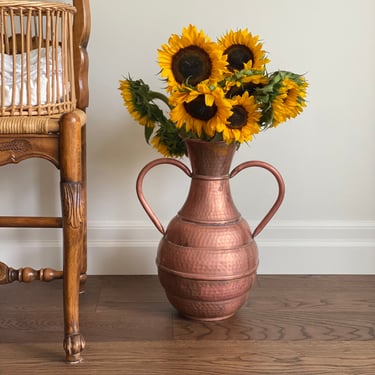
(36, 58)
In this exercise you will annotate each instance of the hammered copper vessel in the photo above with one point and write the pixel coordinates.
(207, 258)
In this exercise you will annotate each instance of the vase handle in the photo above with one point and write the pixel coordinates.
(280, 182)
(139, 185)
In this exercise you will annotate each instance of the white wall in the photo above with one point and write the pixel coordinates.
(326, 156)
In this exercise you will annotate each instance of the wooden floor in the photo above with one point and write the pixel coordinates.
(290, 325)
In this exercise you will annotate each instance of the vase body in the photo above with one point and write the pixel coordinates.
(207, 258)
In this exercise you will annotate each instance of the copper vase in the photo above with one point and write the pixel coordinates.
(207, 258)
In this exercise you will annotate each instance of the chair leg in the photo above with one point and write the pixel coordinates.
(73, 223)
(84, 212)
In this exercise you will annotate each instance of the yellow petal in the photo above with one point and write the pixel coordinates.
(209, 100)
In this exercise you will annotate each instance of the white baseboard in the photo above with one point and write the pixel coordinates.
(293, 247)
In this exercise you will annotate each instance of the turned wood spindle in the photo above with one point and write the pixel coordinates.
(27, 274)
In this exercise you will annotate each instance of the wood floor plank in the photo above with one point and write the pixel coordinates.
(196, 358)
(328, 301)
(127, 325)
(280, 326)
(317, 282)
(31, 326)
(45, 297)
(292, 324)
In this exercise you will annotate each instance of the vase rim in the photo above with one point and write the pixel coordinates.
(197, 140)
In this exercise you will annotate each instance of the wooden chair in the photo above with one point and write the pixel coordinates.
(43, 97)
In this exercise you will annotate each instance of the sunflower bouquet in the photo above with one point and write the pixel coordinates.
(215, 91)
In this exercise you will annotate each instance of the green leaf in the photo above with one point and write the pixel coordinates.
(148, 132)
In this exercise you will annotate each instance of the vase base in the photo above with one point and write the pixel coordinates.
(207, 311)
(205, 319)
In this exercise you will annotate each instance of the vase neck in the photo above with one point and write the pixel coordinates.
(210, 158)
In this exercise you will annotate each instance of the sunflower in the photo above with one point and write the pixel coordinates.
(134, 101)
(243, 123)
(190, 58)
(159, 146)
(248, 82)
(167, 140)
(202, 111)
(243, 50)
(290, 99)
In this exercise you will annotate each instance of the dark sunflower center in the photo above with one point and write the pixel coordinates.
(199, 110)
(250, 87)
(237, 55)
(192, 63)
(239, 117)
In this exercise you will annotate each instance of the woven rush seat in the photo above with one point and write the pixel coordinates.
(34, 124)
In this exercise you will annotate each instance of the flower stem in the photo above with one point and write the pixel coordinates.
(160, 96)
